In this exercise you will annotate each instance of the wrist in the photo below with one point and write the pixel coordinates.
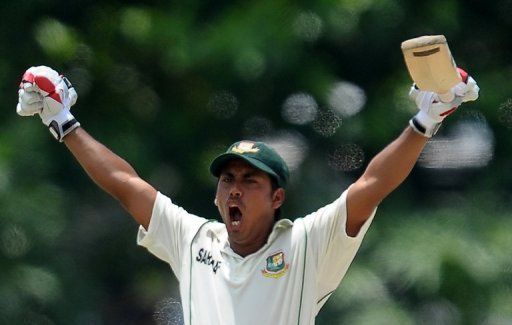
(425, 125)
(60, 124)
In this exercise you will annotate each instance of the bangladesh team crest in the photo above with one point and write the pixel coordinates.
(275, 266)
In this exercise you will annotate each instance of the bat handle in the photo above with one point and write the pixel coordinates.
(447, 97)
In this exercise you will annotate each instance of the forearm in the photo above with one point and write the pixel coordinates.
(386, 171)
(113, 174)
(392, 165)
(105, 168)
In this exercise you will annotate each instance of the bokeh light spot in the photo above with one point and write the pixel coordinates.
(326, 123)
(38, 283)
(55, 39)
(308, 26)
(505, 113)
(291, 146)
(347, 157)
(14, 241)
(439, 312)
(342, 22)
(346, 98)
(168, 312)
(300, 109)
(135, 23)
(471, 145)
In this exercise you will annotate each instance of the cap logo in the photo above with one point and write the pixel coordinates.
(245, 147)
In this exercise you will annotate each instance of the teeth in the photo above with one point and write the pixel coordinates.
(235, 223)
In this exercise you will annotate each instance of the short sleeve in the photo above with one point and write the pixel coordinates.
(331, 248)
(170, 232)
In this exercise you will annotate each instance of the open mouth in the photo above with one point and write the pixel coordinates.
(235, 216)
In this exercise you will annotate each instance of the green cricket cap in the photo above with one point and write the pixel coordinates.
(257, 154)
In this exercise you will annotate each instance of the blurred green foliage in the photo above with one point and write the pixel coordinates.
(168, 85)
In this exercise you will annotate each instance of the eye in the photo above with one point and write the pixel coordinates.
(251, 180)
(226, 179)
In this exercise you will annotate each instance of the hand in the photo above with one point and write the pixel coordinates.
(43, 91)
(433, 111)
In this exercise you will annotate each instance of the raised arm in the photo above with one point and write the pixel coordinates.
(113, 174)
(391, 166)
(386, 171)
(45, 93)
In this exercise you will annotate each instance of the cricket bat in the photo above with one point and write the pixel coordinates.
(431, 65)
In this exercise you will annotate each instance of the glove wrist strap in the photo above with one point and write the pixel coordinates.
(61, 124)
(423, 124)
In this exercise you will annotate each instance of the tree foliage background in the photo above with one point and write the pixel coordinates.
(168, 85)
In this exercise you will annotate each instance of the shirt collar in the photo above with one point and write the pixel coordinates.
(279, 226)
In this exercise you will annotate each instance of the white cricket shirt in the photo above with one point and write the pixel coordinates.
(286, 282)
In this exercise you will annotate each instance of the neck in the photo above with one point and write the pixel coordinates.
(249, 246)
(245, 250)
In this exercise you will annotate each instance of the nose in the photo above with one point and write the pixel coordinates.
(235, 192)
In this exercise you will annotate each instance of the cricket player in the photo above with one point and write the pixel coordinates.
(256, 267)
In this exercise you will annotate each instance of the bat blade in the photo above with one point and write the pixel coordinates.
(431, 64)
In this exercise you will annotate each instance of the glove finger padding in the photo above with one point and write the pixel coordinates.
(472, 91)
(29, 102)
(72, 96)
(423, 99)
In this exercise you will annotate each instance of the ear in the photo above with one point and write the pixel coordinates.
(278, 198)
(216, 202)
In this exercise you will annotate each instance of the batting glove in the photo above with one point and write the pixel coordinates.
(43, 91)
(433, 111)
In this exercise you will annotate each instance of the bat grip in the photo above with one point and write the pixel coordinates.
(447, 97)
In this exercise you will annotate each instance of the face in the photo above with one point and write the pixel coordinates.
(247, 204)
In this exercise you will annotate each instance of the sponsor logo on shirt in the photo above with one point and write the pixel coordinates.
(275, 266)
(205, 257)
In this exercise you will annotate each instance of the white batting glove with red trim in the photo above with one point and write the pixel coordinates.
(433, 111)
(43, 91)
